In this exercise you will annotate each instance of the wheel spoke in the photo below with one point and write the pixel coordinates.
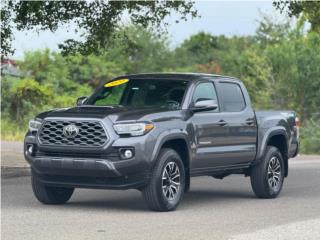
(270, 181)
(175, 184)
(277, 174)
(171, 167)
(167, 174)
(176, 170)
(275, 182)
(174, 188)
(165, 190)
(175, 176)
(171, 193)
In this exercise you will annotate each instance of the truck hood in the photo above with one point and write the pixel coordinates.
(114, 113)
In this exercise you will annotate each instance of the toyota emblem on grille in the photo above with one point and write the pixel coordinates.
(70, 131)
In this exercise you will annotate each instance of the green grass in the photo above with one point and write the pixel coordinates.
(10, 131)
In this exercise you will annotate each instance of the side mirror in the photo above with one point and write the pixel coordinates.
(81, 100)
(205, 105)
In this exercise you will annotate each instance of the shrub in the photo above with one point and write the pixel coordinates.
(310, 137)
(11, 131)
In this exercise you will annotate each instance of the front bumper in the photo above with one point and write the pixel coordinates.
(73, 167)
(122, 182)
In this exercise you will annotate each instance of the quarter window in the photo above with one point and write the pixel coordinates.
(231, 97)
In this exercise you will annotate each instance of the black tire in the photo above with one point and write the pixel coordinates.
(50, 195)
(154, 192)
(264, 178)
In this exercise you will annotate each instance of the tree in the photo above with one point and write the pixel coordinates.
(92, 69)
(132, 50)
(46, 67)
(252, 67)
(295, 69)
(96, 20)
(307, 10)
(197, 49)
(6, 29)
(136, 50)
(271, 31)
(24, 96)
(211, 68)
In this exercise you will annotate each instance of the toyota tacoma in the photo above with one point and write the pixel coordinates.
(153, 132)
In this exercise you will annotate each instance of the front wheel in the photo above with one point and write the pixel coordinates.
(48, 194)
(267, 176)
(166, 187)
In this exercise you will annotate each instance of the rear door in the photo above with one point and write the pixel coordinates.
(240, 144)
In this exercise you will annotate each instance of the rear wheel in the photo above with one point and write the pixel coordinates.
(267, 176)
(48, 194)
(166, 187)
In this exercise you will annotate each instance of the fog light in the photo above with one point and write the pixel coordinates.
(128, 153)
(30, 149)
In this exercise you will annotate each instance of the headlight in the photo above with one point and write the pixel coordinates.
(34, 125)
(133, 129)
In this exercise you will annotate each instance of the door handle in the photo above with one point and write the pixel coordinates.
(222, 123)
(250, 121)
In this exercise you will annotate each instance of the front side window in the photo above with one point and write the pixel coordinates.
(141, 93)
(204, 91)
(231, 97)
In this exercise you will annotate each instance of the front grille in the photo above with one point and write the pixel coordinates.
(90, 133)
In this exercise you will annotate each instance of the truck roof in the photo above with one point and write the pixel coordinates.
(175, 76)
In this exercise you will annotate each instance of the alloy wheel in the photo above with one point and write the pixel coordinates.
(170, 181)
(274, 173)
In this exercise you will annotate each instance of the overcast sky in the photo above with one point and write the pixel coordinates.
(227, 17)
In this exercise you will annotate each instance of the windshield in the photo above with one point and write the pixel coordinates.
(140, 93)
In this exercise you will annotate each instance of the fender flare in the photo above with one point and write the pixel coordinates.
(279, 130)
(173, 134)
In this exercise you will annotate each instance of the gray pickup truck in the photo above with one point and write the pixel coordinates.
(153, 132)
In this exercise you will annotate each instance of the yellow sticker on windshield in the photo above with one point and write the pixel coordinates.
(116, 82)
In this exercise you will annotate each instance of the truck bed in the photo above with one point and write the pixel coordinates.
(278, 121)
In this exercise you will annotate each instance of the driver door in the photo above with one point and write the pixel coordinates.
(210, 133)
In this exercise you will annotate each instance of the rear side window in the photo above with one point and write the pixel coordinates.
(231, 97)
